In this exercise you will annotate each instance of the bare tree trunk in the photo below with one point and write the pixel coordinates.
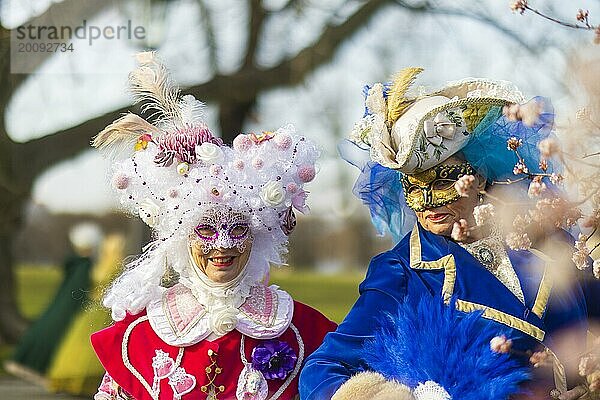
(12, 199)
(12, 324)
(13, 195)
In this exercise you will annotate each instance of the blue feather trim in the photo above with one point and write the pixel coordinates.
(431, 341)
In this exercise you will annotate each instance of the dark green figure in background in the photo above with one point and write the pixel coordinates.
(35, 351)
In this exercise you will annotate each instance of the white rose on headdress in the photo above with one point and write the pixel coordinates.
(148, 212)
(210, 153)
(272, 193)
(223, 320)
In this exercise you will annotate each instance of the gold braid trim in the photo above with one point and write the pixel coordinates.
(502, 317)
(446, 263)
(545, 288)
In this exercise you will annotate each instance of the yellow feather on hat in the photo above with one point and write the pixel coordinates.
(397, 102)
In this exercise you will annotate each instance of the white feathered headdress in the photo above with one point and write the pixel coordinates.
(176, 170)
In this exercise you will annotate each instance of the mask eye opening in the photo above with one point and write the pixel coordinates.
(206, 232)
(239, 231)
(443, 184)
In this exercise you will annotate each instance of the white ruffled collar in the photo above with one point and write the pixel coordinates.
(191, 311)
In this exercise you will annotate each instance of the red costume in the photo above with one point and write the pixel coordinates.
(131, 352)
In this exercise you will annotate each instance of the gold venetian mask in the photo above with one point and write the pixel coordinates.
(434, 187)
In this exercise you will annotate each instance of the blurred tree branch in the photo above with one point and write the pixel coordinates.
(426, 7)
(205, 18)
(257, 18)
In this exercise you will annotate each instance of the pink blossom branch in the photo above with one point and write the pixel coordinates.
(587, 26)
(521, 6)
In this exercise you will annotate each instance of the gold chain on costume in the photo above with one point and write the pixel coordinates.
(212, 371)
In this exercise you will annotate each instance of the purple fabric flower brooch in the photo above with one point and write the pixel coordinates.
(274, 358)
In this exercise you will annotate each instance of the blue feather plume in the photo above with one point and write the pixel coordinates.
(430, 341)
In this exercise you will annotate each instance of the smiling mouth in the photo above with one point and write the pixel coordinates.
(222, 261)
(437, 217)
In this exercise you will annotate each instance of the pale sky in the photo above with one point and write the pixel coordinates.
(449, 48)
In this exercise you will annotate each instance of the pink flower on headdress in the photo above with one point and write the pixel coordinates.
(306, 173)
(238, 164)
(120, 181)
(242, 142)
(282, 141)
(215, 169)
(258, 163)
(292, 187)
(181, 143)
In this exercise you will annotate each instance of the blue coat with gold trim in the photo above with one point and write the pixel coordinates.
(427, 264)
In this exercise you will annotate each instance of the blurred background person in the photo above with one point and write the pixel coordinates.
(34, 353)
(75, 369)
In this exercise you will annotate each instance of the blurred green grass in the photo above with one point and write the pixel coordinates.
(36, 286)
(333, 295)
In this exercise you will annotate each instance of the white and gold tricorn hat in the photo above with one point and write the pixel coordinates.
(415, 133)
